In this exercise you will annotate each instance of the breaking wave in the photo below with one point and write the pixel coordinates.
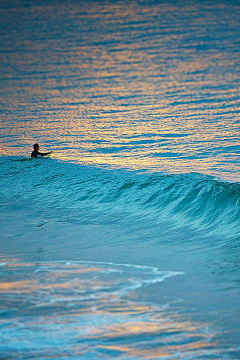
(195, 200)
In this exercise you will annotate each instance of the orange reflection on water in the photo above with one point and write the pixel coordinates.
(29, 286)
(163, 351)
(144, 328)
(87, 301)
(142, 75)
(18, 264)
(15, 285)
(176, 335)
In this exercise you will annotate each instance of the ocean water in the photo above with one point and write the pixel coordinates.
(125, 243)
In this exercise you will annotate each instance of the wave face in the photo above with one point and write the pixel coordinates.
(194, 200)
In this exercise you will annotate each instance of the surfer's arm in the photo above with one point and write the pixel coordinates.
(44, 154)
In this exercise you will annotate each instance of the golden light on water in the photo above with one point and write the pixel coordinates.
(116, 102)
(146, 330)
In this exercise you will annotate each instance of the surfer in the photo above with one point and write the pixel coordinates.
(35, 152)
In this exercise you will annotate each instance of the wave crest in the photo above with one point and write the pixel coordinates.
(188, 199)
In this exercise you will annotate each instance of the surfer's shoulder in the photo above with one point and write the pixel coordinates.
(34, 154)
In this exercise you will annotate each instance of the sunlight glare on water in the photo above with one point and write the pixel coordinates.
(138, 85)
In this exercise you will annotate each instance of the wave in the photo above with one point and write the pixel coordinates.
(194, 200)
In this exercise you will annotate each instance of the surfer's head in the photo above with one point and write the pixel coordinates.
(36, 147)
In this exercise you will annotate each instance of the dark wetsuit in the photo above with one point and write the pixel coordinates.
(36, 153)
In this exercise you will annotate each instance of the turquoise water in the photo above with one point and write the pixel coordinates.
(125, 243)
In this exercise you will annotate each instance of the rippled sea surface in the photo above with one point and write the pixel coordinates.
(125, 243)
(138, 84)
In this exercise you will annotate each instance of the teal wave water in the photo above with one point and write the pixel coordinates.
(196, 200)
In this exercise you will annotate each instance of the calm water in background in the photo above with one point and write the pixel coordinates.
(138, 84)
(139, 101)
